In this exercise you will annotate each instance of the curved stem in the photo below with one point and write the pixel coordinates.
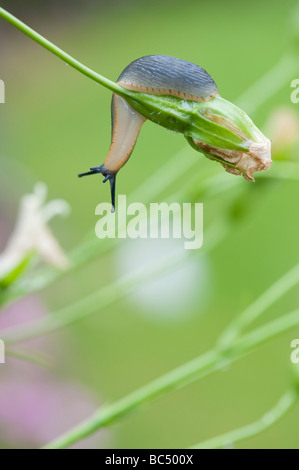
(63, 55)
(197, 368)
(286, 402)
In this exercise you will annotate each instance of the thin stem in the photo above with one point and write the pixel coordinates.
(260, 305)
(286, 402)
(201, 366)
(63, 55)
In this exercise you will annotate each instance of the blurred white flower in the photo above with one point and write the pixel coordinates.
(32, 235)
(171, 296)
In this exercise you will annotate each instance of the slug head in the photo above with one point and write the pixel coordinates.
(108, 175)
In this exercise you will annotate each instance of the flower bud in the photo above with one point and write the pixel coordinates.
(217, 128)
(256, 154)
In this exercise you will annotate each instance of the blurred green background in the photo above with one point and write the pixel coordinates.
(56, 123)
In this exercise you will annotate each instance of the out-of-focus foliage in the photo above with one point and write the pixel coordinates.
(55, 123)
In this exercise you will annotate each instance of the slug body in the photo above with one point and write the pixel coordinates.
(151, 75)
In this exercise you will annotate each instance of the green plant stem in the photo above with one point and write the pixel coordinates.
(286, 402)
(63, 55)
(197, 368)
(260, 305)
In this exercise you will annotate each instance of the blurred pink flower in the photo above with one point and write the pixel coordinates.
(283, 129)
(36, 405)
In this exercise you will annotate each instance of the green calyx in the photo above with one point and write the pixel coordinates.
(217, 122)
